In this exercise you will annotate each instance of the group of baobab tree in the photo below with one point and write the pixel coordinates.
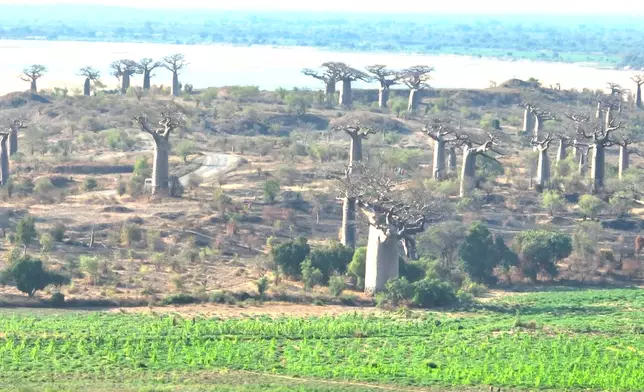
(415, 78)
(122, 69)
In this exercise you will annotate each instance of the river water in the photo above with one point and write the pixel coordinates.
(272, 67)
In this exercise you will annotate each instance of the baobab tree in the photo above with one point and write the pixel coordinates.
(534, 117)
(91, 76)
(329, 76)
(16, 124)
(562, 148)
(174, 63)
(347, 75)
(4, 159)
(416, 79)
(387, 78)
(625, 139)
(395, 215)
(468, 171)
(437, 130)
(599, 137)
(639, 81)
(123, 70)
(543, 165)
(146, 66)
(357, 133)
(160, 135)
(32, 74)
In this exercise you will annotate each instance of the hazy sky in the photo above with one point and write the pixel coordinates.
(627, 7)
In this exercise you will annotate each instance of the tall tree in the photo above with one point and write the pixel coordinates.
(16, 124)
(437, 130)
(346, 75)
(146, 66)
(625, 138)
(468, 171)
(91, 76)
(580, 151)
(534, 117)
(357, 133)
(639, 81)
(161, 135)
(32, 74)
(174, 63)
(4, 159)
(599, 137)
(395, 216)
(543, 165)
(123, 70)
(416, 78)
(562, 148)
(387, 78)
(329, 76)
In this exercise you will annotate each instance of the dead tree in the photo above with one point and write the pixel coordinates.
(329, 76)
(468, 171)
(639, 81)
(160, 135)
(395, 216)
(91, 76)
(4, 159)
(32, 74)
(15, 125)
(437, 131)
(146, 66)
(174, 63)
(387, 78)
(346, 75)
(416, 78)
(349, 227)
(599, 137)
(543, 165)
(123, 70)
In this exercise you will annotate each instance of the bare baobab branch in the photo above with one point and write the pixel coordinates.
(174, 63)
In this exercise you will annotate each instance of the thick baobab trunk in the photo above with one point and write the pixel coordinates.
(4, 161)
(383, 97)
(537, 126)
(543, 168)
(638, 96)
(451, 160)
(160, 170)
(597, 167)
(348, 232)
(329, 91)
(439, 159)
(609, 117)
(176, 90)
(414, 99)
(528, 121)
(146, 79)
(582, 163)
(34, 88)
(125, 84)
(87, 87)
(13, 142)
(561, 150)
(346, 95)
(598, 113)
(623, 160)
(468, 171)
(382, 260)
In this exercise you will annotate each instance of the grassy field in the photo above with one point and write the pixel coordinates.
(561, 340)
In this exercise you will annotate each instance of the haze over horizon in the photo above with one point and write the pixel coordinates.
(494, 7)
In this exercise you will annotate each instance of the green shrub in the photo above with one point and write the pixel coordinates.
(552, 201)
(26, 230)
(357, 267)
(89, 184)
(130, 234)
(271, 190)
(397, 291)
(46, 243)
(57, 299)
(222, 297)
(331, 259)
(91, 265)
(540, 251)
(475, 289)
(432, 292)
(591, 206)
(179, 299)
(413, 271)
(262, 286)
(58, 232)
(479, 254)
(311, 276)
(336, 285)
(290, 255)
(28, 275)
(142, 168)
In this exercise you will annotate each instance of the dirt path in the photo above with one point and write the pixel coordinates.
(212, 165)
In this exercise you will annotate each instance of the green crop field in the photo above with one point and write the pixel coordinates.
(560, 340)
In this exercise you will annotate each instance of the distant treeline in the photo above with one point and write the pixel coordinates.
(609, 40)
